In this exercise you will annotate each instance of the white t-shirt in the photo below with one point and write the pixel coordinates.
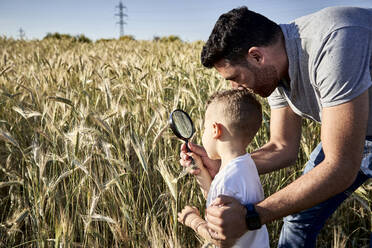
(239, 179)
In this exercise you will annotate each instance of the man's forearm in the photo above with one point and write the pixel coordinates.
(343, 132)
(324, 181)
(271, 157)
(282, 148)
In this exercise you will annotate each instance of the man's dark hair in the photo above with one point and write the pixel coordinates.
(234, 33)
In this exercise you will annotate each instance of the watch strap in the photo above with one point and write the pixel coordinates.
(252, 219)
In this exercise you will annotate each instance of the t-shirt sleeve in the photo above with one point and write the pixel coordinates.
(229, 191)
(277, 100)
(244, 188)
(342, 67)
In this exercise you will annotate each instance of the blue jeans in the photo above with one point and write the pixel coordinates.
(300, 230)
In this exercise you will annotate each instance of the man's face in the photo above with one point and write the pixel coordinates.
(261, 80)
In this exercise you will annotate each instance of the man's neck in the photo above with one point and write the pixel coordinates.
(282, 58)
(277, 54)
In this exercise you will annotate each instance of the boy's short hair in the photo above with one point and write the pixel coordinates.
(241, 110)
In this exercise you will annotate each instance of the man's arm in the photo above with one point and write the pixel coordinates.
(282, 149)
(343, 133)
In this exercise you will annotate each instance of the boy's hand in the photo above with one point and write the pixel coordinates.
(188, 216)
(212, 166)
(198, 162)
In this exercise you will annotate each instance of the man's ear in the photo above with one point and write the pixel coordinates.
(217, 130)
(255, 55)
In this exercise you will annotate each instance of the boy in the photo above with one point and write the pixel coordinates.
(232, 119)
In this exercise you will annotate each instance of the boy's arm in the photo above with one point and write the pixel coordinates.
(190, 217)
(199, 225)
(203, 178)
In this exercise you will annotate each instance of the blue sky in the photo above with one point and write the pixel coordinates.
(190, 20)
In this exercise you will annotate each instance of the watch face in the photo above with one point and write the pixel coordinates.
(252, 218)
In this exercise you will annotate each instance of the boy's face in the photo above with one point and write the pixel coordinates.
(208, 139)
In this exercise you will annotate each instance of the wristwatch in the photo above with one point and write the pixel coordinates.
(252, 219)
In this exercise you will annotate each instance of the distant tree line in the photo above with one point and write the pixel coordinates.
(82, 38)
(170, 38)
(77, 38)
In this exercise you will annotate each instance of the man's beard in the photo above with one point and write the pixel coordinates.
(266, 79)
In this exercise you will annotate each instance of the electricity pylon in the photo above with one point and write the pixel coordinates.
(121, 15)
(22, 33)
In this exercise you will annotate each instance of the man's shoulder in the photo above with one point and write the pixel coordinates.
(331, 19)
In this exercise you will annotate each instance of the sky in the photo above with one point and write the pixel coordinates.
(190, 20)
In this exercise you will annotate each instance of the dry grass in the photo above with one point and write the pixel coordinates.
(87, 159)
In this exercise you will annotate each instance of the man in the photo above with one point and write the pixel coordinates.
(318, 67)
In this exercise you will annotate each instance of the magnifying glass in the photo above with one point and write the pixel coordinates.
(182, 126)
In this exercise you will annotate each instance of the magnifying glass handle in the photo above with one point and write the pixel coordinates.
(187, 146)
(193, 165)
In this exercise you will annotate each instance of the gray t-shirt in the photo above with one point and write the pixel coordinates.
(330, 61)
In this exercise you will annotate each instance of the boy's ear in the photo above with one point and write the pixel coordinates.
(217, 130)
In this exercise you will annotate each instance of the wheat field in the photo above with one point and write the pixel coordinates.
(87, 158)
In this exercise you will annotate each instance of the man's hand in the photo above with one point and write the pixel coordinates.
(226, 219)
(212, 166)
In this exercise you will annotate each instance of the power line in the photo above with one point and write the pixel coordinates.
(121, 15)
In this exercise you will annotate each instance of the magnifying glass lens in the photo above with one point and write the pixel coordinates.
(183, 124)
